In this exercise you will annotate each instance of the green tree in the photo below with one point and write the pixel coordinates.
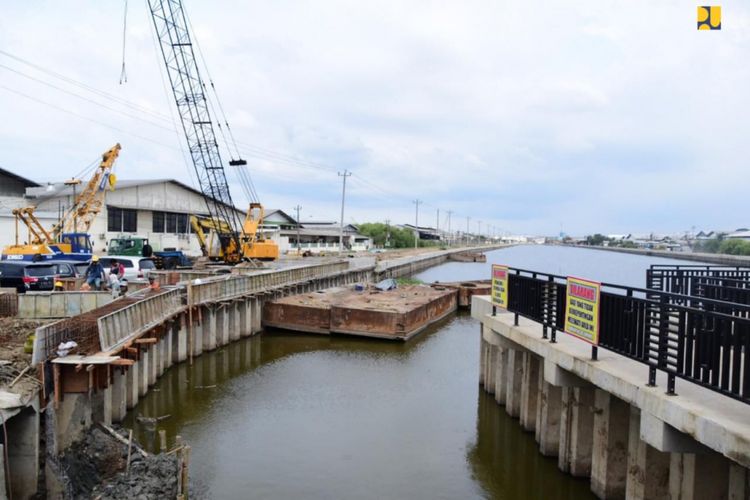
(735, 247)
(397, 237)
(597, 239)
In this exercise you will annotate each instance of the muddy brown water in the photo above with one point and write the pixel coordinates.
(284, 415)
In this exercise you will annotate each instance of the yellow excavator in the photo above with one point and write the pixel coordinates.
(69, 238)
(253, 243)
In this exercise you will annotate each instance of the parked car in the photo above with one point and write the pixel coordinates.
(27, 276)
(135, 267)
(69, 268)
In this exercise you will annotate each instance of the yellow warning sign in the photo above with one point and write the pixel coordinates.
(499, 294)
(582, 309)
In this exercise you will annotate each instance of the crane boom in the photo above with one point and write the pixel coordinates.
(188, 89)
(88, 203)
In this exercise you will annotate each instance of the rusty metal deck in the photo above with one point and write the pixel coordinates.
(467, 289)
(394, 314)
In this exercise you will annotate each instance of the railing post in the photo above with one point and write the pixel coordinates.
(594, 353)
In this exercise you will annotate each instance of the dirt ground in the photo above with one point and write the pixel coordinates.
(13, 358)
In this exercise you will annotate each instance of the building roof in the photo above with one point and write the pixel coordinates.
(24, 180)
(271, 212)
(60, 189)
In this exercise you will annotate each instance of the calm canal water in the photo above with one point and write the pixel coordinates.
(287, 416)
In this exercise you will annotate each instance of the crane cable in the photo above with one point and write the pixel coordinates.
(123, 75)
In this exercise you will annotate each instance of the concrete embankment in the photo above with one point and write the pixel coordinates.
(601, 420)
(123, 348)
(703, 258)
(406, 266)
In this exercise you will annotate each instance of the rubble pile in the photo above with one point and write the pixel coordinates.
(96, 466)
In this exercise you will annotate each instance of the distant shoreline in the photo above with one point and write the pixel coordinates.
(713, 258)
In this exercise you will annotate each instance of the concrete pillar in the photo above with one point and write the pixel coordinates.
(514, 382)
(162, 357)
(173, 331)
(106, 394)
(529, 391)
(548, 423)
(248, 317)
(609, 459)
(119, 394)
(489, 380)
(739, 483)
(209, 329)
(244, 327)
(72, 417)
(501, 369)
(576, 431)
(153, 363)
(698, 476)
(3, 493)
(225, 324)
(200, 330)
(258, 315)
(648, 468)
(132, 381)
(174, 339)
(483, 346)
(23, 453)
(144, 371)
(180, 341)
(235, 331)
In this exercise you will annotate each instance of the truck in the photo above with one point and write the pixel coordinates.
(138, 246)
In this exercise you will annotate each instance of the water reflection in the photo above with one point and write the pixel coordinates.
(507, 463)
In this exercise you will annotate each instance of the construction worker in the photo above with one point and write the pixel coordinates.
(59, 287)
(114, 282)
(94, 273)
(153, 283)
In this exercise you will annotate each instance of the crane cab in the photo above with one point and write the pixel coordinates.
(72, 246)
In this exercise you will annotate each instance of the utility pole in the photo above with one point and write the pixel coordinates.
(467, 229)
(74, 182)
(298, 208)
(479, 232)
(387, 232)
(343, 197)
(416, 223)
(437, 226)
(449, 226)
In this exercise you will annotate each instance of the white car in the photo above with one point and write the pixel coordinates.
(135, 267)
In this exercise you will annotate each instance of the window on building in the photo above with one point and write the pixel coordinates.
(157, 224)
(129, 221)
(114, 219)
(182, 224)
(122, 220)
(171, 222)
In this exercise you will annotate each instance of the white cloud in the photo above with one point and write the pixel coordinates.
(501, 112)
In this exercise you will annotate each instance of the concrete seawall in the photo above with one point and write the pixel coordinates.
(128, 344)
(406, 266)
(601, 420)
(711, 258)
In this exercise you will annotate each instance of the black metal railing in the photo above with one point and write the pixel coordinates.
(681, 278)
(702, 339)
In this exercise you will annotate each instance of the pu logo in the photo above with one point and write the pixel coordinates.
(709, 17)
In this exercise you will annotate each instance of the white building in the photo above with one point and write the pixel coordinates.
(157, 209)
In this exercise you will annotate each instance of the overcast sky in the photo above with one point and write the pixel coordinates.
(531, 116)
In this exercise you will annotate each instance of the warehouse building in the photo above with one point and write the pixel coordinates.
(157, 209)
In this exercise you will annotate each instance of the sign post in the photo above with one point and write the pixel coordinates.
(582, 310)
(499, 292)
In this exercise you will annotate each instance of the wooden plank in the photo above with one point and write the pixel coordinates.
(124, 362)
(146, 341)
